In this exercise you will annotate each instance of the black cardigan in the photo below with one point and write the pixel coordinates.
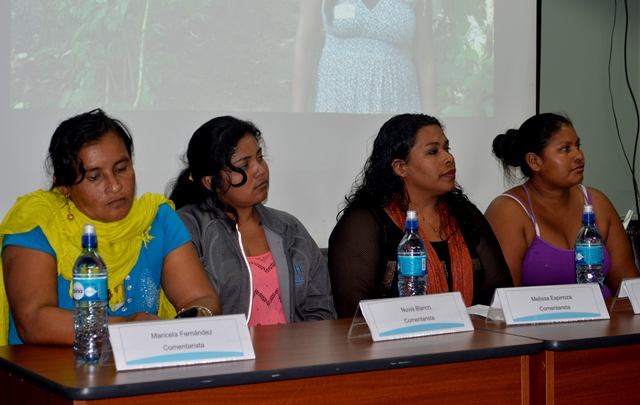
(364, 244)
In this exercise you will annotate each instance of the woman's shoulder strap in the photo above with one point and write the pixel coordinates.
(529, 214)
(586, 193)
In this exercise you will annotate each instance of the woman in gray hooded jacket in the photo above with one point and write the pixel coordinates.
(261, 261)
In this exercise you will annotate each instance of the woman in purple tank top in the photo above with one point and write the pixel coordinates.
(537, 222)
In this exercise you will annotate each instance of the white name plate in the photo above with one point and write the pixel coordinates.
(549, 304)
(405, 317)
(181, 341)
(630, 288)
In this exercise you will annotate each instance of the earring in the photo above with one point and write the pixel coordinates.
(70, 216)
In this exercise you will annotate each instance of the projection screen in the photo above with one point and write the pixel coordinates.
(164, 67)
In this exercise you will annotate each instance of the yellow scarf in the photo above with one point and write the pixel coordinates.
(119, 242)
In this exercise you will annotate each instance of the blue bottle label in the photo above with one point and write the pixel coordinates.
(90, 289)
(412, 265)
(589, 255)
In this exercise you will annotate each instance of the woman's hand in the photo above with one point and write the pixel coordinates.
(135, 317)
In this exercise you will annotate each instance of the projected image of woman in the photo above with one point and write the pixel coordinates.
(411, 168)
(262, 261)
(537, 222)
(364, 56)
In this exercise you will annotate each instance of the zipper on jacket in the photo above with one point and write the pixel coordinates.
(246, 262)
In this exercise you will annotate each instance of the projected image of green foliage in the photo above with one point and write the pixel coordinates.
(218, 55)
(100, 52)
(465, 77)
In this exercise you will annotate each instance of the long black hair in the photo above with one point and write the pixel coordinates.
(209, 154)
(379, 186)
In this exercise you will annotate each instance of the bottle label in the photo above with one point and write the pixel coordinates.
(90, 289)
(412, 265)
(589, 255)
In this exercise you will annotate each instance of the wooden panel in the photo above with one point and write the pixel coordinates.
(496, 381)
(533, 389)
(14, 390)
(606, 375)
(584, 362)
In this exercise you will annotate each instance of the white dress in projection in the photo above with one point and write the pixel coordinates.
(366, 64)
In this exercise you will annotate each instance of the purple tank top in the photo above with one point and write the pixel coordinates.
(545, 264)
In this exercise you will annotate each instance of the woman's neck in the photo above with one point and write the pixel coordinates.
(423, 203)
(254, 240)
(550, 195)
(429, 218)
(245, 216)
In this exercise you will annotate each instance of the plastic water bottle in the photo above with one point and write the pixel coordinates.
(589, 250)
(412, 260)
(90, 300)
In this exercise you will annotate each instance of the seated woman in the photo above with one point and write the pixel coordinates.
(411, 168)
(152, 267)
(537, 222)
(262, 261)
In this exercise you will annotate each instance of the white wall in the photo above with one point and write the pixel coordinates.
(574, 79)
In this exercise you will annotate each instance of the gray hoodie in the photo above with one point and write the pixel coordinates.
(302, 270)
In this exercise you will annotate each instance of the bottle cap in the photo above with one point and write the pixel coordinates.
(89, 238)
(89, 229)
(411, 223)
(588, 209)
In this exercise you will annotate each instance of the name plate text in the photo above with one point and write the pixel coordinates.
(549, 304)
(405, 317)
(181, 341)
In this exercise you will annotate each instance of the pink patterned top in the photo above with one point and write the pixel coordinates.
(267, 303)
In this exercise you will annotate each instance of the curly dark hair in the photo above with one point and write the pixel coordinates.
(76, 133)
(209, 154)
(379, 185)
